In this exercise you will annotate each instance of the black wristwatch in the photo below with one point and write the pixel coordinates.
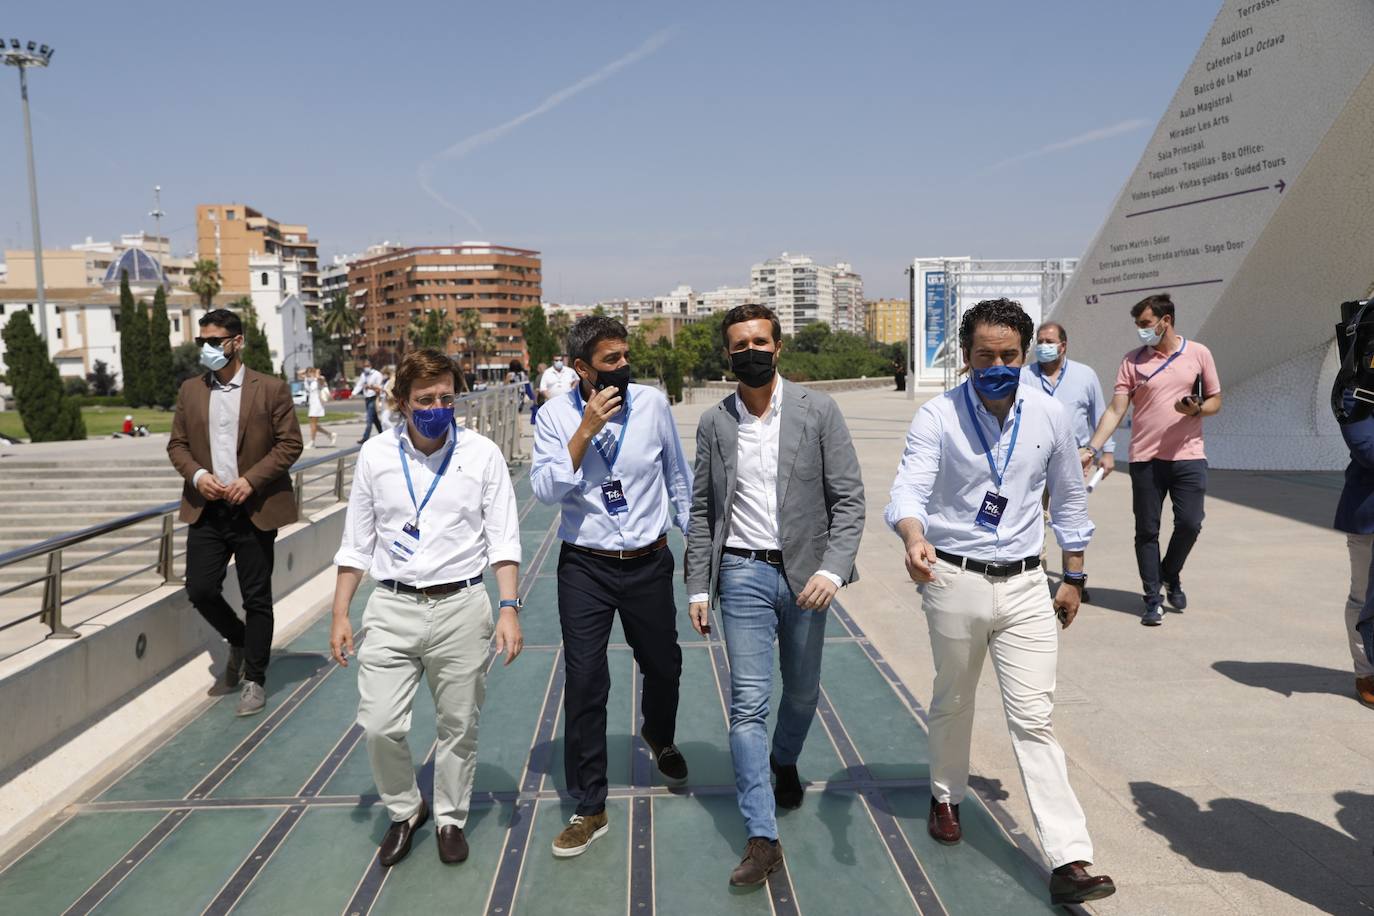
(1077, 580)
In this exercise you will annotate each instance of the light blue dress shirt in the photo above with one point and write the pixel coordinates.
(1080, 391)
(656, 478)
(944, 474)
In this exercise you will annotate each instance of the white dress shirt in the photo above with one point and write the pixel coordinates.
(367, 378)
(555, 381)
(225, 399)
(1078, 389)
(754, 512)
(944, 475)
(470, 522)
(656, 479)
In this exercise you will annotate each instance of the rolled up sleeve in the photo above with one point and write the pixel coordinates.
(552, 475)
(917, 471)
(500, 513)
(360, 527)
(1073, 529)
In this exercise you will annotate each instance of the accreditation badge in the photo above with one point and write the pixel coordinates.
(990, 515)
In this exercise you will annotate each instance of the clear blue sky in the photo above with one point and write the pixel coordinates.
(867, 131)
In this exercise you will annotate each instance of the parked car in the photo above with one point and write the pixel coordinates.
(298, 395)
(341, 393)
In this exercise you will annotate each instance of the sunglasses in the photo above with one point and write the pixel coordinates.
(216, 342)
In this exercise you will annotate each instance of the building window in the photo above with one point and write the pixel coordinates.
(176, 325)
(59, 333)
(229, 214)
(264, 278)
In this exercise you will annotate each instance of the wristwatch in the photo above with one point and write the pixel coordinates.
(512, 602)
(1077, 580)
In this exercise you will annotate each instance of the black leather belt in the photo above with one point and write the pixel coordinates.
(995, 570)
(771, 557)
(623, 554)
(430, 591)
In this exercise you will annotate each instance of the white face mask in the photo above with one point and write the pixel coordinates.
(1151, 336)
(558, 364)
(212, 357)
(1046, 352)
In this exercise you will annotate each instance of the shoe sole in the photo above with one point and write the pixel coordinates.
(245, 713)
(759, 883)
(1151, 623)
(1096, 894)
(945, 842)
(568, 852)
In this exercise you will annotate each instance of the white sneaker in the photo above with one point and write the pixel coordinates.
(310, 444)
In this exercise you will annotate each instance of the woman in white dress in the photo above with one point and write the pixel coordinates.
(315, 405)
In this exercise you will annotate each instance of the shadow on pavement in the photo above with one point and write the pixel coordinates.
(1304, 496)
(1290, 852)
(1288, 678)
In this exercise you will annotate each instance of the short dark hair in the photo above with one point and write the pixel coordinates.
(748, 312)
(1063, 334)
(1161, 305)
(999, 313)
(589, 331)
(223, 318)
(422, 365)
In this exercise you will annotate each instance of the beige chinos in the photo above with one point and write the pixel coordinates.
(446, 640)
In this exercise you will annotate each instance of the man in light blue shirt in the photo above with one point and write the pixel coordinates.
(608, 454)
(966, 503)
(1076, 387)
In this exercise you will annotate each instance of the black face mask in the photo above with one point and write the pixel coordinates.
(617, 378)
(753, 367)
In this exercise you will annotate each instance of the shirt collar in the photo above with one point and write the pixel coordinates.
(403, 430)
(235, 382)
(774, 404)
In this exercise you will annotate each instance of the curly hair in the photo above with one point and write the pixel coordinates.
(999, 313)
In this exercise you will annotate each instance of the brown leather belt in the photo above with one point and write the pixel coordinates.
(622, 554)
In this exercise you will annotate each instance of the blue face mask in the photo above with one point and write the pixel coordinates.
(1046, 352)
(996, 382)
(434, 422)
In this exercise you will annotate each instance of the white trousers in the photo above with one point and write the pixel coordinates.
(1361, 547)
(446, 640)
(1012, 619)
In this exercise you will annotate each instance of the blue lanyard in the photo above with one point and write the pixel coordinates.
(987, 449)
(596, 441)
(1172, 356)
(405, 466)
(1063, 371)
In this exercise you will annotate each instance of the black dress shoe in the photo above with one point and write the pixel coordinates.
(453, 845)
(396, 843)
(1071, 883)
(1177, 600)
(788, 791)
(670, 761)
(943, 823)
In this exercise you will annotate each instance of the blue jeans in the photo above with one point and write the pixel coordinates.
(370, 419)
(757, 607)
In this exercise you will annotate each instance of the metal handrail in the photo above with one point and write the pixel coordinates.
(497, 411)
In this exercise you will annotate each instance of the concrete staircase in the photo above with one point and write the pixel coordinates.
(41, 499)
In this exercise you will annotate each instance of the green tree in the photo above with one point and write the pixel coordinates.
(102, 381)
(47, 413)
(327, 351)
(559, 325)
(205, 281)
(340, 320)
(539, 340)
(257, 355)
(133, 345)
(161, 383)
(432, 329)
(703, 355)
(185, 363)
(477, 340)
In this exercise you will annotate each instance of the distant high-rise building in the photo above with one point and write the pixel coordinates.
(887, 321)
(849, 300)
(802, 291)
(500, 282)
(722, 299)
(230, 234)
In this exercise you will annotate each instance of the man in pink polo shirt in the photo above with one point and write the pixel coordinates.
(1172, 384)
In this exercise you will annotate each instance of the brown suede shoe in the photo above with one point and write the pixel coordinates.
(762, 857)
(943, 823)
(581, 832)
(1364, 689)
(1071, 883)
(453, 845)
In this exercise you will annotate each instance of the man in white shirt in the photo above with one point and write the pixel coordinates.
(778, 507)
(431, 507)
(608, 454)
(966, 503)
(558, 379)
(369, 385)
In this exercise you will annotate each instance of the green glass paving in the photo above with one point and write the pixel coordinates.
(279, 815)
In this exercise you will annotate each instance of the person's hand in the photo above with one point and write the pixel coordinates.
(210, 487)
(920, 561)
(1189, 406)
(1108, 464)
(1085, 457)
(602, 406)
(818, 594)
(508, 638)
(341, 639)
(699, 612)
(238, 491)
(1066, 601)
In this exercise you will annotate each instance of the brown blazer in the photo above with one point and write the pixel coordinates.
(269, 443)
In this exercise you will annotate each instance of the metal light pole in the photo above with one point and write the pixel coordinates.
(23, 58)
(157, 215)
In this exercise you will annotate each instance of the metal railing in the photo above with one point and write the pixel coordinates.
(495, 413)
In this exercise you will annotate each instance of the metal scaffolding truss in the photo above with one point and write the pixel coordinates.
(968, 282)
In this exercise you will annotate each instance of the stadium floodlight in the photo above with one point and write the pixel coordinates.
(23, 59)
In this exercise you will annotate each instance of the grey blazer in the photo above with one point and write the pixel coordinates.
(820, 491)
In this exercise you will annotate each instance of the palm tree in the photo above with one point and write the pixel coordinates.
(559, 325)
(205, 281)
(476, 339)
(340, 320)
(433, 329)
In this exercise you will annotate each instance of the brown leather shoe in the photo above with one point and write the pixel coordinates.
(762, 857)
(453, 845)
(396, 843)
(1071, 883)
(1364, 689)
(943, 823)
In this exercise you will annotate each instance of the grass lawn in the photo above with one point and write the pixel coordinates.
(102, 421)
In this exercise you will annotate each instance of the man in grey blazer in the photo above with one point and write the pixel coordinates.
(777, 513)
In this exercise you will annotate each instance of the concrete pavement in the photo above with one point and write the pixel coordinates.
(1222, 759)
